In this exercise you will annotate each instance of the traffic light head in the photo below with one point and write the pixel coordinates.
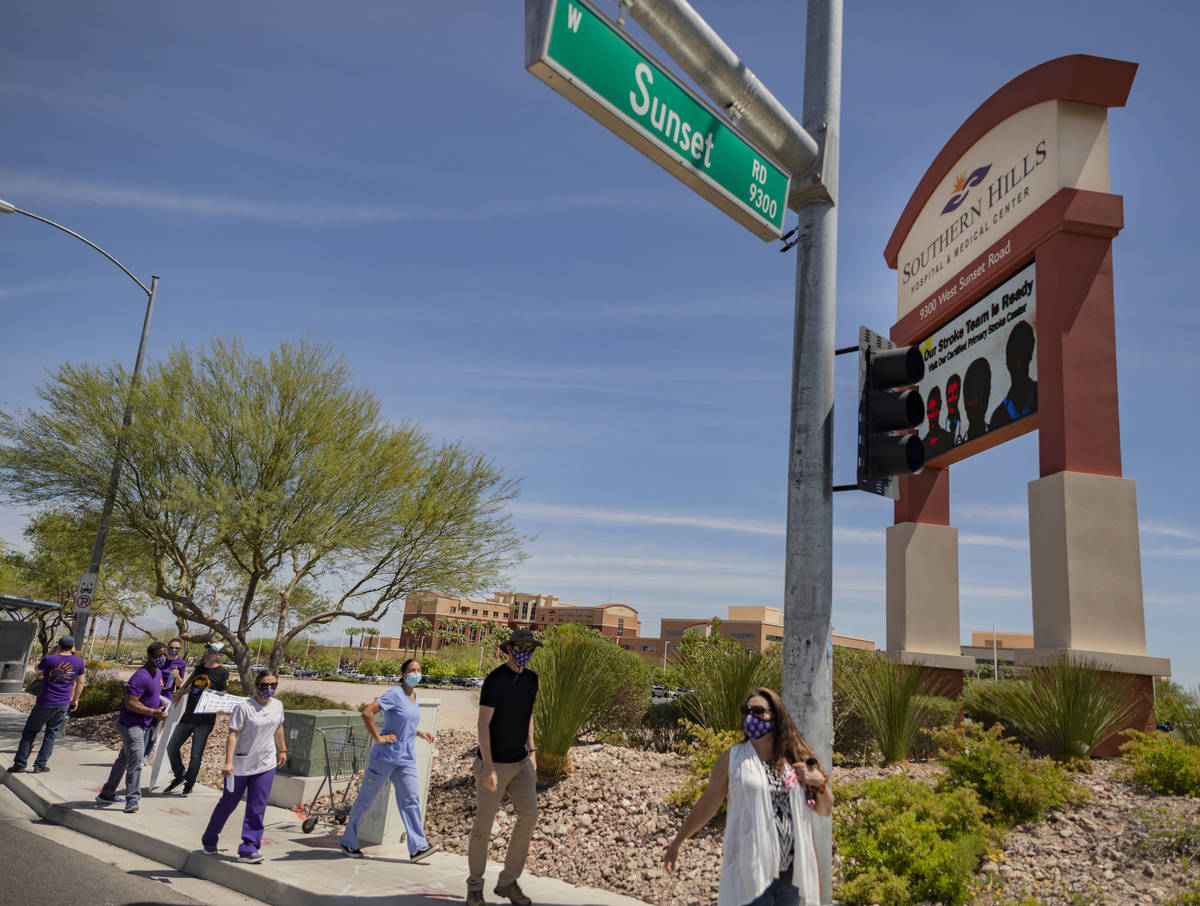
(890, 403)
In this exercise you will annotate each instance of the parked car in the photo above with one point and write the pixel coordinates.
(473, 681)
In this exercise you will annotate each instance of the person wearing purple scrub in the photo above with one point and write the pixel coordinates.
(172, 675)
(141, 708)
(62, 683)
(393, 759)
(253, 750)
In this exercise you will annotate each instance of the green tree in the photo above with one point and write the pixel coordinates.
(418, 628)
(265, 473)
(60, 545)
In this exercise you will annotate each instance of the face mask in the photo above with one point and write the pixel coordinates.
(756, 727)
(522, 657)
(266, 693)
(412, 679)
(160, 661)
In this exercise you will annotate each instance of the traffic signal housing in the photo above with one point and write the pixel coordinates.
(890, 407)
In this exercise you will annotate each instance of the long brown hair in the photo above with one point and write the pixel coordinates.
(790, 745)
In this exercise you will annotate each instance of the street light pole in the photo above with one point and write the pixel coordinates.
(87, 582)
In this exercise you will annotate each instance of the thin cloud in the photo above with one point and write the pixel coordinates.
(1183, 553)
(1170, 531)
(313, 212)
(617, 517)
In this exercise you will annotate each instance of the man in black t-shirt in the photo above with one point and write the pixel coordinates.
(209, 674)
(505, 763)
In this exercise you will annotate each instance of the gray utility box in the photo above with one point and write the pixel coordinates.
(306, 747)
(15, 641)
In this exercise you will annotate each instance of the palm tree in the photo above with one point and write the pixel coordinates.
(417, 628)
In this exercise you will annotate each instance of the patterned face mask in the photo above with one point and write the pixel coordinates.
(756, 727)
(522, 657)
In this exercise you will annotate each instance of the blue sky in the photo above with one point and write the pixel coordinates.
(502, 270)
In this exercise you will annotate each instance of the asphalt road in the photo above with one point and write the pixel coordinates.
(45, 863)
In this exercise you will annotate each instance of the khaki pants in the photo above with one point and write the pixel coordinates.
(519, 780)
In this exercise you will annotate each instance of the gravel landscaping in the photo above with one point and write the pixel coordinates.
(608, 823)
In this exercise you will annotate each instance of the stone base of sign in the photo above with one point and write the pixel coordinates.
(922, 591)
(1132, 664)
(1085, 561)
(1143, 719)
(940, 674)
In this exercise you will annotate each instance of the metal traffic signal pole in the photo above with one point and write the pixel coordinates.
(808, 574)
(809, 152)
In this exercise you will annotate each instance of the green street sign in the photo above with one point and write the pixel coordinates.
(581, 54)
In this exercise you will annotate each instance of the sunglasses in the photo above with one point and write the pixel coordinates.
(268, 685)
(173, 650)
(524, 649)
(756, 710)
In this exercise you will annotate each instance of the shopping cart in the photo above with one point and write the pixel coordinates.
(343, 754)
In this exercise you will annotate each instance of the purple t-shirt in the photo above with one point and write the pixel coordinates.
(172, 672)
(146, 687)
(58, 677)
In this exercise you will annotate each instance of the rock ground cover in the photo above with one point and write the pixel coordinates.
(608, 823)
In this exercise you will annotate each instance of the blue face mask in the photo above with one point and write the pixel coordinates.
(265, 693)
(522, 657)
(756, 727)
(412, 679)
(160, 661)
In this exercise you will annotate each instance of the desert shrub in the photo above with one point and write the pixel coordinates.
(581, 674)
(937, 713)
(1167, 838)
(884, 695)
(722, 676)
(1180, 708)
(1165, 764)
(702, 749)
(661, 728)
(434, 667)
(103, 697)
(666, 676)
(1067, 708)
(299, 701)
(852, 739)
(1011, 785)
(902, 842)
(1189, 897)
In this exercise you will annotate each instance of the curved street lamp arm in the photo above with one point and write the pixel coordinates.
(59, 226)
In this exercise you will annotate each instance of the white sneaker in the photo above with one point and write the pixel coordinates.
(252, 859)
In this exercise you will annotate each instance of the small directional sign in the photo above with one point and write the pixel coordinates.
(585, 57)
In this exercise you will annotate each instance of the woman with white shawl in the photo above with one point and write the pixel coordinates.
(774, 783)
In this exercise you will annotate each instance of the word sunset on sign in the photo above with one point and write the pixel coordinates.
(981, 367)
(586, 58)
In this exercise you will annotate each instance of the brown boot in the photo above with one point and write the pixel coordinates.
(514, 893)
(475, 898)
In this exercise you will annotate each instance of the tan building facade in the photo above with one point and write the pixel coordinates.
(754, 627)
(471, 619)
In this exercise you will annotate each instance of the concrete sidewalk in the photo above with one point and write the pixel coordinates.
(298, 868)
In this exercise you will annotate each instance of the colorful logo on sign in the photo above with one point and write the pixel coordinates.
(962, 187)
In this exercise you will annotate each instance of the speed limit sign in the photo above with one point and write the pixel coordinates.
(83, 595)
